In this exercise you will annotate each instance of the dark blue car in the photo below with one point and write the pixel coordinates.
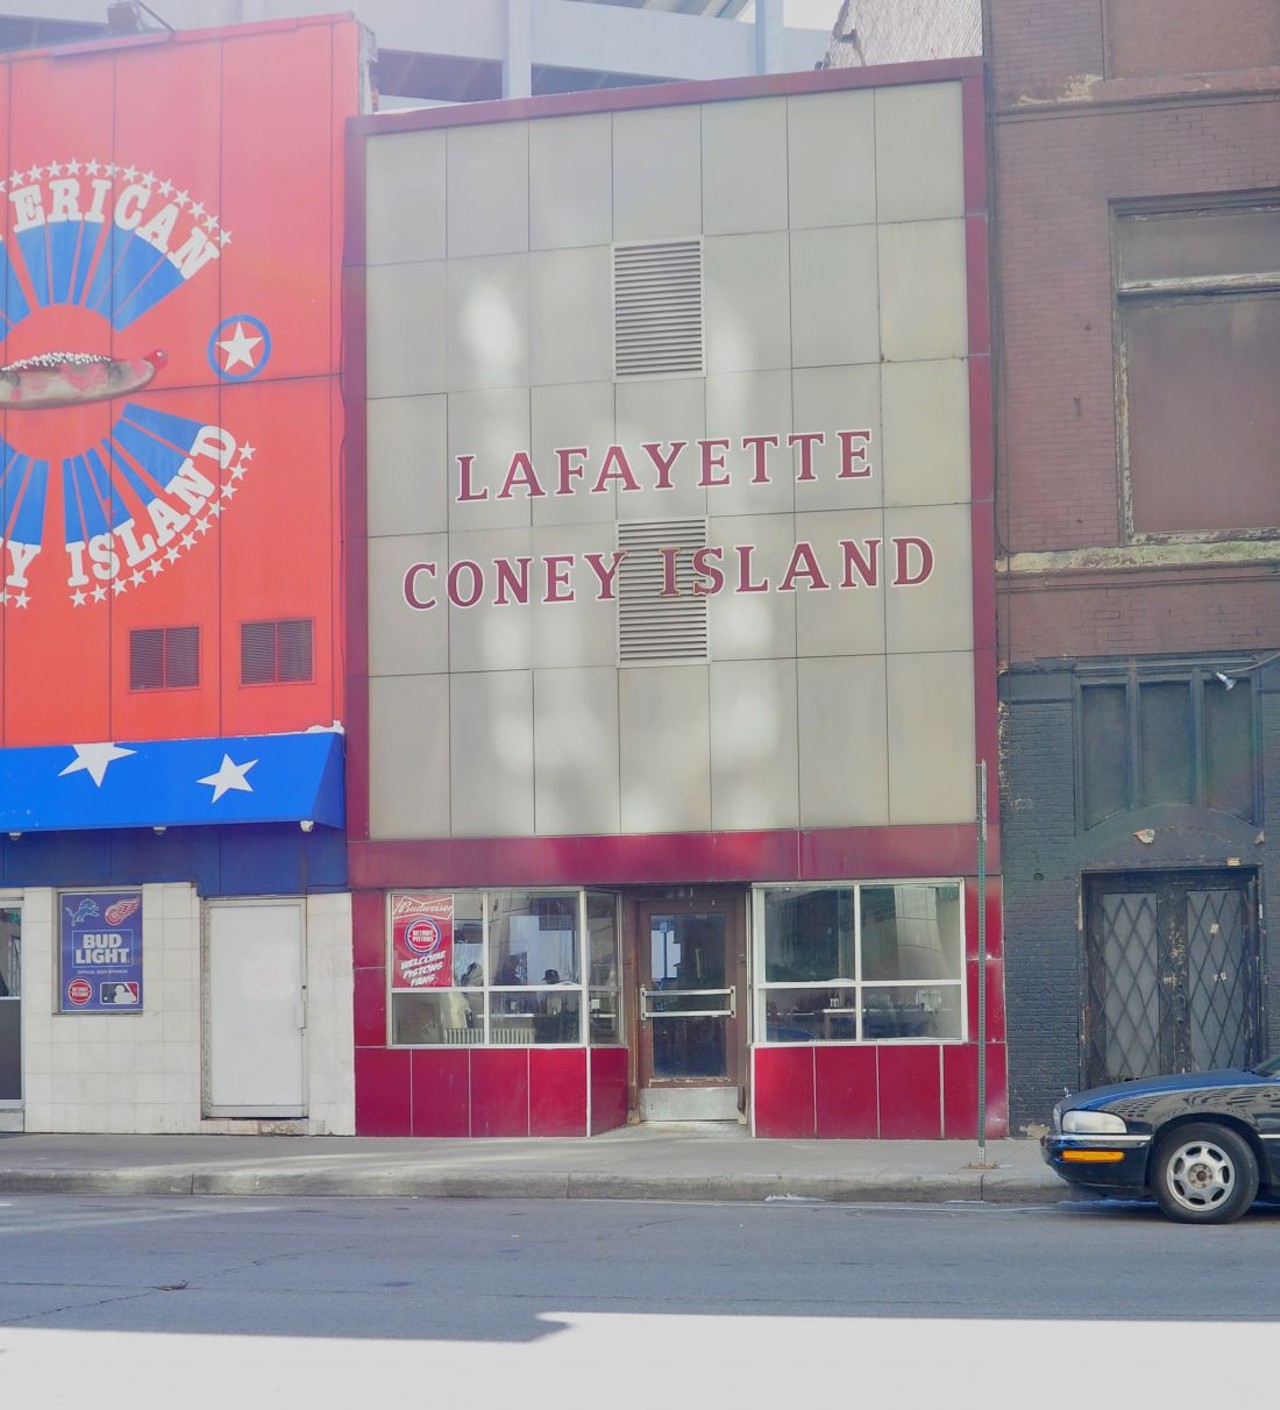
(1204, 1144)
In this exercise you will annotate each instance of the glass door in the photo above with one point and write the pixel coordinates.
(10, 1004)
(692, 997)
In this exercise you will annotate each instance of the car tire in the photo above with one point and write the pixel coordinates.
(1205, 1174)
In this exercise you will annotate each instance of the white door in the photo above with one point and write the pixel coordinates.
(256, 1009)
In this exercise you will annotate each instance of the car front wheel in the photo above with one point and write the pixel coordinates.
(1205, 1174)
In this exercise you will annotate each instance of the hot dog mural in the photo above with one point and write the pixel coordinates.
(170, 414)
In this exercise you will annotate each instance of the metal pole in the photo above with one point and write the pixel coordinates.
(982, 962)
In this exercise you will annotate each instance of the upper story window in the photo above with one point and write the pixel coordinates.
(1163, 737)
(164, 658)
(1198, 305)
(275, 652)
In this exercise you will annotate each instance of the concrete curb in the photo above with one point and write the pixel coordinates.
(408, 1182)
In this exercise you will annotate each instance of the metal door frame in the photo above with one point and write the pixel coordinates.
(13, 900)
(1174, 1031)
(687, 900)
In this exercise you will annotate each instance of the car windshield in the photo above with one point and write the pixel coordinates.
(1270, 1068)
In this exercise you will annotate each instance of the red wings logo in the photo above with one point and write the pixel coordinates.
(121, 910)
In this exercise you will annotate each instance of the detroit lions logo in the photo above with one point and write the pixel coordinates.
(86, 910)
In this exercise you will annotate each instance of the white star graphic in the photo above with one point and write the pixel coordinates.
(228, 491)
(155, 567)
(229, 776)
(197, 209)
(93, 759)
(204, 525)
(73, 167)
(15, 178)
(172, 553)
(214, 508)
(137, 576)
(34, 173)
(99, 594)
(93, 168)
(131, 173)
(239, 348)
(79, 598)
(55, 168)
(21, 600)
(118, 586)
(246, 451)
(188, 540)
(237, 471)
(224, 238)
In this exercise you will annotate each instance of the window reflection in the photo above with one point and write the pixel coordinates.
(861, 963)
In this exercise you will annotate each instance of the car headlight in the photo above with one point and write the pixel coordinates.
(1092, 1123)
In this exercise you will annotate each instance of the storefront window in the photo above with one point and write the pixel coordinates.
(860, 963)
(501, 967)
(604, 996)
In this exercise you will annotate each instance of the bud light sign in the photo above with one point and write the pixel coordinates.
(101, 952)
(421, 942)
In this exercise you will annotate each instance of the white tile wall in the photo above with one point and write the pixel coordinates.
(576, 751)
(746, 282)
(832, 149)
(141, 1073)
(657, 174)
(409, 757)
(744, 166)
(408, 467)
(919, 152)
(405, 172)
(491, 727)
(834, 299)
(487, 182)
(570, 185)
(754, 762)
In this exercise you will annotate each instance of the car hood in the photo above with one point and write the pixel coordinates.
(1098, 1098)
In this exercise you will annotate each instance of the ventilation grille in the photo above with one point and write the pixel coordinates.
(273, 652)
(164, 658)
(655, 625)
(657, 309)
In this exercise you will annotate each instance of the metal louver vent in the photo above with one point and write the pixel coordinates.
(656, 624)
(657, 309)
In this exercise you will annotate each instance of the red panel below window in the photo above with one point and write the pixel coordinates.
(499, 1092)
(608, 1089)
(370, 1007)
(910, 1093)
(441, 1092)
(382, 1092)
(784, 1092)
(845, 1092)
(558, 1091)
(960, 1093)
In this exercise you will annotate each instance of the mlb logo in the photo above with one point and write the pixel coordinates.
(119, 993)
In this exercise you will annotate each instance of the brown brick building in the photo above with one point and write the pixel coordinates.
(1136, 255)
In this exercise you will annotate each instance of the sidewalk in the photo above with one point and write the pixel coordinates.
(690, 1161)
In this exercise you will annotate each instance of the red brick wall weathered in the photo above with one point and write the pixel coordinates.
(1147, 37)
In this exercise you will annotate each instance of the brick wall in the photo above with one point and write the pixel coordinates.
(1188, 36)
(1044, 857)
(901, 31)
(1055, 175)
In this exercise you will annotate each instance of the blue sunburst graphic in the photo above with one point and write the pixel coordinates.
(116, 243)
